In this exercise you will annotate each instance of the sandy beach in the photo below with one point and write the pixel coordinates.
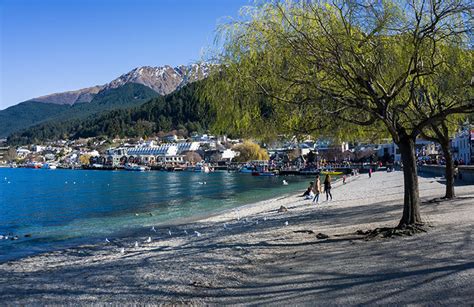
(257, 255)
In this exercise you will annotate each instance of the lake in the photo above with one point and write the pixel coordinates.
(62, 208)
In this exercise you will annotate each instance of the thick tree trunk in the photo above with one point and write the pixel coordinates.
(411, 207)
(449, 173)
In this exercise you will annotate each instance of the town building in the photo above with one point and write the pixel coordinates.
(463, 146)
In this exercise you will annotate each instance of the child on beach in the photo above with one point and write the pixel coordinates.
(327, 186)
(317, 189)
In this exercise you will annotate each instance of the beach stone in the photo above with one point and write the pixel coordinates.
(322, 236)
(283, 209)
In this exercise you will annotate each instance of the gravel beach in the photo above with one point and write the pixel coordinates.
(309, 255)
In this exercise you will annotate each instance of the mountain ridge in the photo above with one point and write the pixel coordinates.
(162, 79)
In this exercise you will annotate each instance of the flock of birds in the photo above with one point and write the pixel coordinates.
(149, 239)
(226, 226)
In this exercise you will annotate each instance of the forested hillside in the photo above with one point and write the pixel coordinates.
(179, 110)
(26, 114)
(29, 113)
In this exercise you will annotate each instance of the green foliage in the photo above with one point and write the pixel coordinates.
(343, 69)
(178, 110)
(30, 113)
(250, 151)
(26, 114)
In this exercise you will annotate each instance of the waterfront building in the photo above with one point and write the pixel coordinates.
(463, 145)
(22, 152)
(148, 153)
(3, 152)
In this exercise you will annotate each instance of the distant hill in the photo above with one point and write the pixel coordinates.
(26, 114)
(30, 113)
(71, 97)
(161, 80)
(179, 110)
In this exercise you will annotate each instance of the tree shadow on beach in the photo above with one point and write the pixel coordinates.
(265, 263)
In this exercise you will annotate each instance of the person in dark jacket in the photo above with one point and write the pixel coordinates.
(327, 186)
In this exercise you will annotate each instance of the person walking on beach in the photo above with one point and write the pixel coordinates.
(327, 186)
(370, 172)
(317, 189)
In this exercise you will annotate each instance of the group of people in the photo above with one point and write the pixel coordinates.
(314, 189)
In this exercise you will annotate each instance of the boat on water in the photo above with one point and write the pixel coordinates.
(332, 173)
(200, 168)
(34, 165)
(247, 169)
(264, 173)
(49, 166)
(135, 167)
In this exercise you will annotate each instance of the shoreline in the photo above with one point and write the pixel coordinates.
(259, 259)
(131, 221)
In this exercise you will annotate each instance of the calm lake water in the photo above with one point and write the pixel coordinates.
(62, 208)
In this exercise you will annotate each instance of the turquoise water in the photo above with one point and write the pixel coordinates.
(62, 208)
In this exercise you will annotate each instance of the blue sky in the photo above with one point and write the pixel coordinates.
(52, 46)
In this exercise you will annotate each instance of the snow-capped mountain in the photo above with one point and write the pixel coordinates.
(162, 79)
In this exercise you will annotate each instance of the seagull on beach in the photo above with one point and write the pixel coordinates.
(238, 215)
(185, 232)
(153, 228)
(107, 240)
(169, 232)
(197, 233)
(148, 240)
(122, 250)
(285, 182)
(286, 223)
(264, 218)
(136, 244)
(225, 226)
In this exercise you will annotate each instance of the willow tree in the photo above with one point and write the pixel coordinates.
(450, 84)
(289, 66)
(441, 133)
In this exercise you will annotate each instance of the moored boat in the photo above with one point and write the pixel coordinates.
(49, 166)
(266, 173)
(34, 165)
(333, 173)
(135, 167)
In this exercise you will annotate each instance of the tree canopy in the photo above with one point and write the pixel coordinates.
(346, 67)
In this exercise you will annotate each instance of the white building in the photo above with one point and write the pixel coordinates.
(229, 154)
(463, 146)
(149, 154)
(22, 152)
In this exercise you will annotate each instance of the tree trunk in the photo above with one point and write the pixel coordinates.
(411, 207)
(449, 172)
